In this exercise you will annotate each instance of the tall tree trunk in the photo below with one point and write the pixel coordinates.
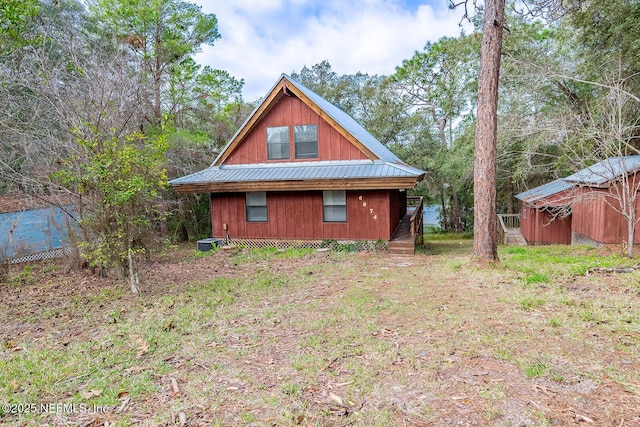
(456, 211)
(485, 245)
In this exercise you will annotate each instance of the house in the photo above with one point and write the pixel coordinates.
(590, 201)
(300, 169)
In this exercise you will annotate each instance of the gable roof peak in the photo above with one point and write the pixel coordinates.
(340, 120)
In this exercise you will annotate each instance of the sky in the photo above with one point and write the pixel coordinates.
(261, 39)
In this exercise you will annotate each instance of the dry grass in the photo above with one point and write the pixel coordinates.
(321, 339)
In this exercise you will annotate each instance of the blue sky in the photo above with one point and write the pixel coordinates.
(262, 39)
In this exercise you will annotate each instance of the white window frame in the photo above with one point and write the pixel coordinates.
(334, 206)
(278, 148)
(300, 143)
(256, 207)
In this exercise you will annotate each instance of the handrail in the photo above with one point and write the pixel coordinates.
(416, 223)
(503, 223)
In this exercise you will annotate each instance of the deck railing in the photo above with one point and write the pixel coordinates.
(504, 222)
(417, 226)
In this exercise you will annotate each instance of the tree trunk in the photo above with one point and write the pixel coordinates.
(134, 279)
(485, 245)
(456, 210)
(631, 230)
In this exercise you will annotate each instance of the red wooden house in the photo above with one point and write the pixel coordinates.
(592, 196)
(299, 168)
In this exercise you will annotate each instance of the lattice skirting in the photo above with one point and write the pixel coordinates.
(54, 253)
(344, 245)
(579, 239)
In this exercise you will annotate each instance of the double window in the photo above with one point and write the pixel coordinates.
(305, 141)
(256, 207)
(334, 206)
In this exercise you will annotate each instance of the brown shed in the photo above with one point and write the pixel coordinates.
(543, 218)
(600, 188)
(299, 168)
(591, 198)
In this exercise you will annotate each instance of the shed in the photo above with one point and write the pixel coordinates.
(599, 189)
(543, 219)
(590, 199)
(300, 169)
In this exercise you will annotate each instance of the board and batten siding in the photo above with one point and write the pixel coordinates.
(597, 220)
(371, 215)
(290, 111)
(539, 227)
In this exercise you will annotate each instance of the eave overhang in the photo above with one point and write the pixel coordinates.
(299, 185)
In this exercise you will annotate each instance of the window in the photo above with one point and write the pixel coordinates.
(306, 141)
(334, 206)
(278, 143)
(257, 207)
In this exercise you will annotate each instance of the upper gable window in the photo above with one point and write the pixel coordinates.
(306, 141)
(278, 143)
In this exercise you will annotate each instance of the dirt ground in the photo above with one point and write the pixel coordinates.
(344, 339)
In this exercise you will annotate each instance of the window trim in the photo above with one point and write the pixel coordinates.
(326, 205)
(250, 206)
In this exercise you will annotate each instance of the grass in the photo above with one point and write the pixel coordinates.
(297, 337)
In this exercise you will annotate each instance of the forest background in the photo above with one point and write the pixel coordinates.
(104, 102)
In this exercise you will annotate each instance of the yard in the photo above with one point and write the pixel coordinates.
(265, 337)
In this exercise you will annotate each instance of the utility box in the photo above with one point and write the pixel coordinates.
(205, 245)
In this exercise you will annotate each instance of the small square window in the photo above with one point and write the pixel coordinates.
(256, 207)
(278, 143)
(306, 141)
(334, 206)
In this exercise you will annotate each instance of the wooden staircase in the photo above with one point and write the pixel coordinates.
(508, 230)
(401, 242)
(514, 237)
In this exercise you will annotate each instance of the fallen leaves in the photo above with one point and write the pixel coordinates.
(89, 394)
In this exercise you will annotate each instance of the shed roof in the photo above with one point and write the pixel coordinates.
(606, 170)
(543, 191)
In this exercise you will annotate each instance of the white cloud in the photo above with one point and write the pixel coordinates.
(261, 40)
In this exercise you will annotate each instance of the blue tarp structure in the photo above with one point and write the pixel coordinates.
(29, 232)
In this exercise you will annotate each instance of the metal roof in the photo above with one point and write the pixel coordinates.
(606, 170)
(348, 123)
(543, 191)
(285, 171)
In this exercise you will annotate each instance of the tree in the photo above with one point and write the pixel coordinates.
(485, 245)
(439, 82)
(600, 149)
(15, 15)
(161, 33)
(120, 181)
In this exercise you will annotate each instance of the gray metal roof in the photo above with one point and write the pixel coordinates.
(300, 171)
(606, 170)
(348, 123)
(339, 116)
(543, 191)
